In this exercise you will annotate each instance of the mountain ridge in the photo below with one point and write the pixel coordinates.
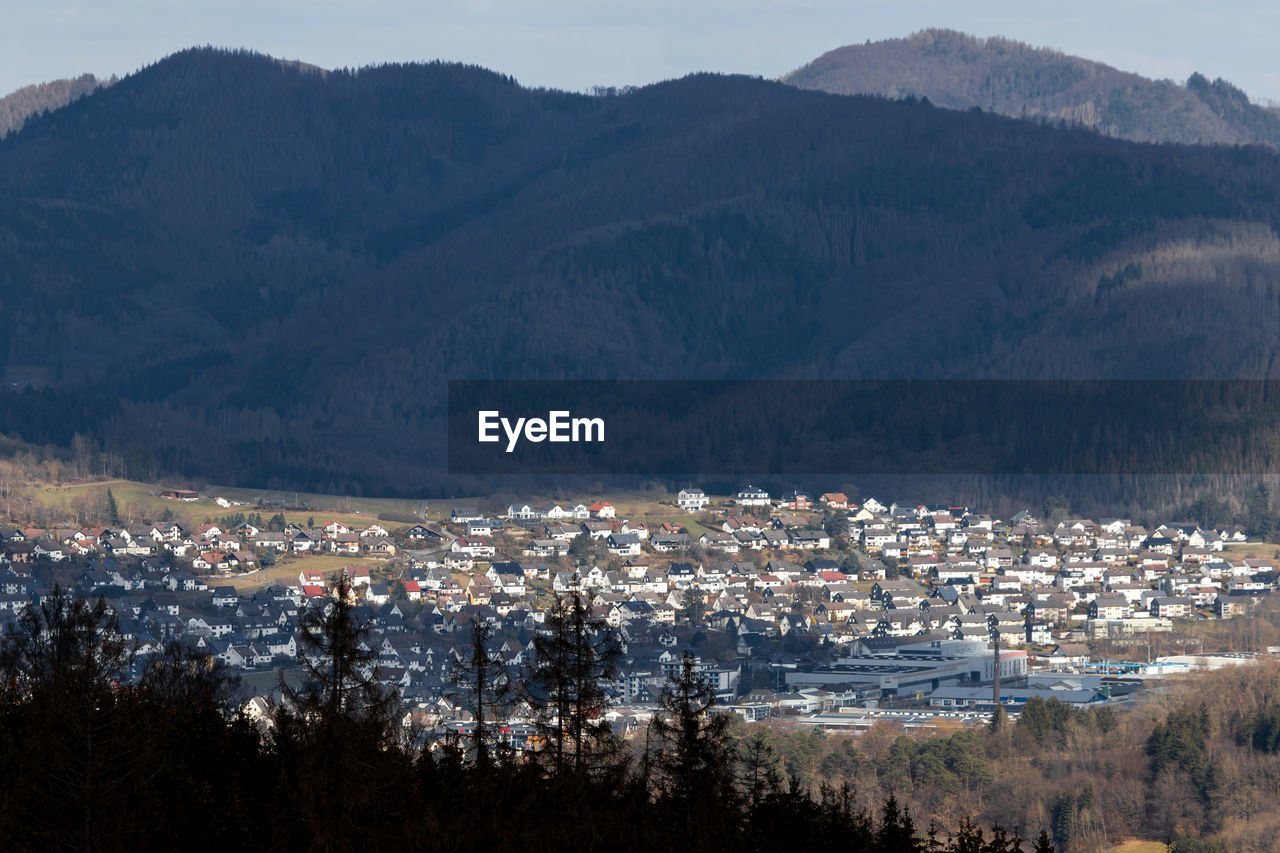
(960, 71)
(232, 267)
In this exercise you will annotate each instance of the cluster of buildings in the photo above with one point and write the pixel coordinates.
(212, 548)
(836, 602)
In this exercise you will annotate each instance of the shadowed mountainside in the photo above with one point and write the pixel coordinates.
(234, 267)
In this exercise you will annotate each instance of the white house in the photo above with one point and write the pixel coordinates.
(624, 545)
(692, 500)
(521, 512)
(602, 509)
(472, 547)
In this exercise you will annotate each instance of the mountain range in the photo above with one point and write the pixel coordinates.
(960, 71)
(257, 272)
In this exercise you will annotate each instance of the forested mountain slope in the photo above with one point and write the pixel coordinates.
(960, 71)
(254, 272)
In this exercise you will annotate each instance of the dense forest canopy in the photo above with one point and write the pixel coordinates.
(256, 272)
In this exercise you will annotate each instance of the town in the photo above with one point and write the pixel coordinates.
(819, 609)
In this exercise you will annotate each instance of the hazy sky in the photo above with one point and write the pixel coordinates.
(573, 44)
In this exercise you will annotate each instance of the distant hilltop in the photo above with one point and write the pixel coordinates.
(960, 71)
(20, 105)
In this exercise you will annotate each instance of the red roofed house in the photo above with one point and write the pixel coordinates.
(333, 528)
(474, 546)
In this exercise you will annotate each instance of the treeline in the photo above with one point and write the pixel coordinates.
(96, 761)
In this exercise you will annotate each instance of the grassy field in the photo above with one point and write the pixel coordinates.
(144, 500)
(289, 570)
(126, 493)
(1251, 551)
(1133, 845)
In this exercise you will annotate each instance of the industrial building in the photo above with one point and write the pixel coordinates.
(917, 669)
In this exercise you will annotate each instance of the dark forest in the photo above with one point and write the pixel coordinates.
(230, 268)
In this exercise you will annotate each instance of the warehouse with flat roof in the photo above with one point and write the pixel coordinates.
(912, 673)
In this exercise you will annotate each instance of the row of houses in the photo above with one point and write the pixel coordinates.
(208, 546)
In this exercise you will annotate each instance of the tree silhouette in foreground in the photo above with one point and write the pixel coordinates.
(60, 666)
(690, 753)
(92, 761)
(575, 657)
(338, 739)
(486, 690)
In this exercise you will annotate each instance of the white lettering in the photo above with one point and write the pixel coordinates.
(558, 427)
(559, 423)
(593, 429)
(513, 434)
(488, 423)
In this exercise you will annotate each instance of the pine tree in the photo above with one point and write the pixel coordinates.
(969, 839)
(341, 719)
(691, 607)
(757, 768)
(999, 719)
(897, 831)
(113, 509)
(59, 669)
(485, 687)
(575, 656)
(690, 750)
(340, 676)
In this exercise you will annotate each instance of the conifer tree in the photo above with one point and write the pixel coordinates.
(113, 509)
(341, 679)
(690, 751)
(486, 689)
(897, 831)
(59, 672)
(576, 655)
(341, 722)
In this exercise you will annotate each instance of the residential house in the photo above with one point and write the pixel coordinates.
(692, 499)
